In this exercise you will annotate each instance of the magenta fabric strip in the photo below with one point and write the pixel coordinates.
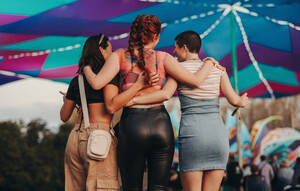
(260, 89)
(7, 19)
(7, 39)
(64, 72)
(23, 63)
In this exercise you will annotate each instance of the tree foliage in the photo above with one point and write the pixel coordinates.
(32, 157)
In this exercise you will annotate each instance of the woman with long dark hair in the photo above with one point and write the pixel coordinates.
(145, 130)
(81, 172)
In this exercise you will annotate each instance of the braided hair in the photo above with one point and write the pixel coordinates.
(142, 31)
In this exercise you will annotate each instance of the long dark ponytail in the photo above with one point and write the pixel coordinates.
(91, 54)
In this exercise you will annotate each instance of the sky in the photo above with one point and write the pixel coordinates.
(30, 99)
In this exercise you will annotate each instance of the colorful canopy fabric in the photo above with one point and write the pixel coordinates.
(44, 39)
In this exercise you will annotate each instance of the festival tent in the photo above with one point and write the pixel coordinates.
(261, 38)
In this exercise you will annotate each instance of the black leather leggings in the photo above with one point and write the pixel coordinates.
(146, 135)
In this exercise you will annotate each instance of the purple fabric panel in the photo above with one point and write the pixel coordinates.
(64, 72)
(295, 36)
(97, 9)
(243, 59)
(202, 54)
(7, 39)
(6, 79)
(50, 25)
(21, 64)
(122, 43)
(264, 55)
(6, 19)
(170, 50)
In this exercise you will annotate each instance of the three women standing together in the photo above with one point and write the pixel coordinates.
(146, 134)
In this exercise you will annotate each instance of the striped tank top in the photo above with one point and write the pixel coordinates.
(209, 88)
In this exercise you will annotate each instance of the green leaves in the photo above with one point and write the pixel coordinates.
(32, 157)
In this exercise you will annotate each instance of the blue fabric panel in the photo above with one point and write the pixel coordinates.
(166, 12)
(266, 33)
(286, 12)
(62, 59)
(30, 7)
(33, 73)
(172, 30)
(218, 43)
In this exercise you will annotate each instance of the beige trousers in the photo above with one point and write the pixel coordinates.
(82, 173)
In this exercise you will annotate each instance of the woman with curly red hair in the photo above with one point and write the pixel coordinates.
(146, 132)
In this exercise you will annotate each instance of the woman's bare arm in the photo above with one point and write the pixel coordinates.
(232, 97)
(181, 74)
(114, 101)
(67, 108)
(158, 96)
(109, 70)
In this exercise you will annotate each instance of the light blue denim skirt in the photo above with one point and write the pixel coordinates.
(203, 138)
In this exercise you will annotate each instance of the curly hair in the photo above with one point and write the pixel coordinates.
(91, 54)
(142, 31)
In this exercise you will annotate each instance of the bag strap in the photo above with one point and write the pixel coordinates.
(83, 101)
(111, 128)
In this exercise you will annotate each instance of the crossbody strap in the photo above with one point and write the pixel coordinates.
(83, 101)
(84, 105)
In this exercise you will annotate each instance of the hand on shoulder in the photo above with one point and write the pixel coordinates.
(214, 62)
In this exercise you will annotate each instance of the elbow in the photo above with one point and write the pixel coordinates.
(110, 109)
(64, 118)
(168, 96)
(196, 83)
(95, 86)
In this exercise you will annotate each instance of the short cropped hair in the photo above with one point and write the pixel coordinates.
(191, 39)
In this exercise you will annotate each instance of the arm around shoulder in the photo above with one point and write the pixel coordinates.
(109, 70)
(177, 71)
(158, 96)
(114, 101)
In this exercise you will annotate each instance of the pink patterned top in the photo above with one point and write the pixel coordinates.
(129, 70)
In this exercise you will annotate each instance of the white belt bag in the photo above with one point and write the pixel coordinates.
(98, 140)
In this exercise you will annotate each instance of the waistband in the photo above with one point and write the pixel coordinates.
(93, 126)
(144, 110)
(201, 106)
